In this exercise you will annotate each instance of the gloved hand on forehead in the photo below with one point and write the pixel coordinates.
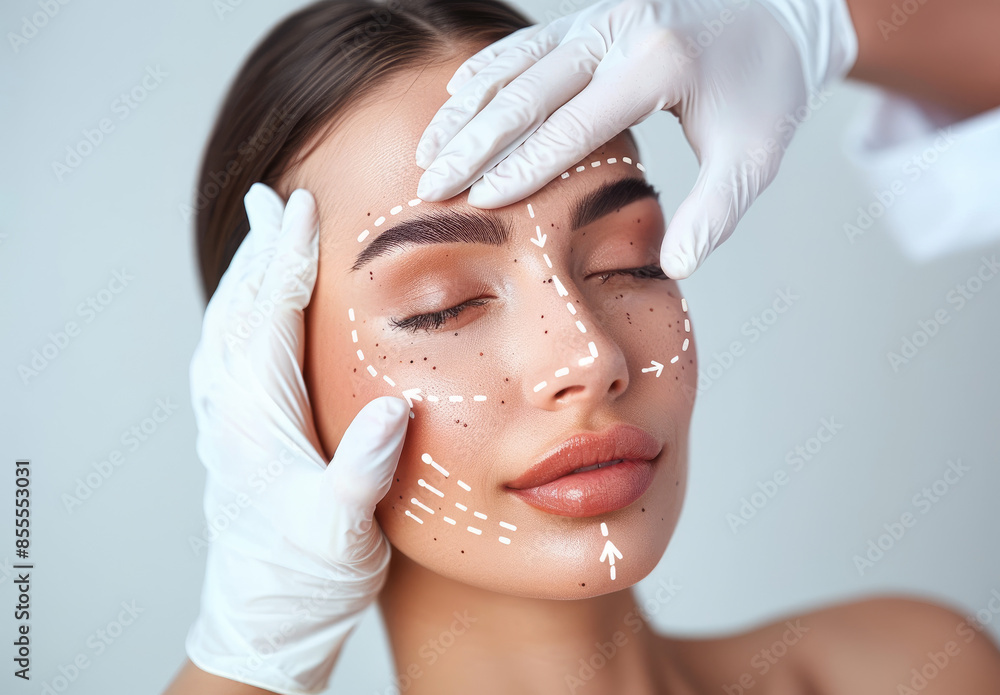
(734, 72)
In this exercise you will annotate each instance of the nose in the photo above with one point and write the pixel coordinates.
(578, 362)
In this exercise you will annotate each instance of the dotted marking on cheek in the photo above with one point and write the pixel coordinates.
(426, 458)
(424, 483)
(412, 394)
(658, 367)
(420, 504)
(429, 460)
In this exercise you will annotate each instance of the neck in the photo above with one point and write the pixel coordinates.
(447, 637)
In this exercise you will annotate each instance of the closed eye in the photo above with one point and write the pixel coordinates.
(435, 319)
(651, 272)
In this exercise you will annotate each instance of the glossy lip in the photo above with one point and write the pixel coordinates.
(551, 486)
(618, 442)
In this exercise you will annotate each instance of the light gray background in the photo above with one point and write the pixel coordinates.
(60, 242)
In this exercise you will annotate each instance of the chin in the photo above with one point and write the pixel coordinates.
(549, 556)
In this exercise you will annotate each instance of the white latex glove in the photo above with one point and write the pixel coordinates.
(530, 106)
(298, 556)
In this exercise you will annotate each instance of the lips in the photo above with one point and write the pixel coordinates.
(591, 473)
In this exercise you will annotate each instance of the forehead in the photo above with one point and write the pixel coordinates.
(365, 169)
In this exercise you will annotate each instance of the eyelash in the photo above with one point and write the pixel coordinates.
(436, 319)
(647, 272)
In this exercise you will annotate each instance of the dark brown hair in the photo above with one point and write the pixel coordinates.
(300, 79)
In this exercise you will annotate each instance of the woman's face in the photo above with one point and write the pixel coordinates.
(512, 331)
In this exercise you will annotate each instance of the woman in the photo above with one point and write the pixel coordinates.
(532, 341)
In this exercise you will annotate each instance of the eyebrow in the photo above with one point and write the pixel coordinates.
(450, 226)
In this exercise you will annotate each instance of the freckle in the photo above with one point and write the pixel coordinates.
(650, 308)
(690, 361)
(354, 395)
(675, 378)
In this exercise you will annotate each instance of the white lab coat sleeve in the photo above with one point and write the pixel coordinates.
(934, 179)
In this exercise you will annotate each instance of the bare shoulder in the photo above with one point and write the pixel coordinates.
(899, 645)
(882, 645)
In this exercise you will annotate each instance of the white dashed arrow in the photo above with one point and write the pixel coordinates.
(657, 367)
(412, 394)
